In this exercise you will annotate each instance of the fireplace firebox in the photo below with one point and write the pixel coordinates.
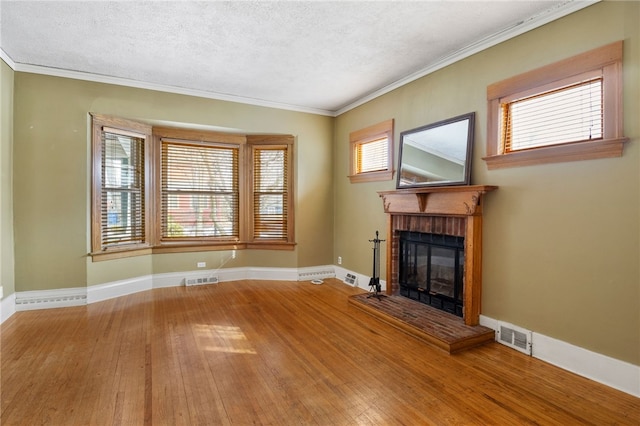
(431, 270)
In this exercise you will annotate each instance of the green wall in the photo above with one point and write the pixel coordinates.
(561, 241)
(52, 179)
(6, 194)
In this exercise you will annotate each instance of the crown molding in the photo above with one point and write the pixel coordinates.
(517, 29)
(7, 59)
(98, 78)
(567, 8)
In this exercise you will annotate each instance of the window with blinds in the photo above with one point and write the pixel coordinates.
(189, 190)
(122, 189)
(199, 190)
(566, 115)
(372, 156)
(371, 153)
(570, 110)
(270, 193)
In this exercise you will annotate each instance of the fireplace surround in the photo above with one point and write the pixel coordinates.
(445, 212)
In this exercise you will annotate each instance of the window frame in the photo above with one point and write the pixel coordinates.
(607, 62)
(370, 134)
(270, 142)
(126, 128)
(154, 243)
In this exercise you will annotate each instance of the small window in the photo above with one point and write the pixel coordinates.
(567, 111)
(566, 115)
(372, 153)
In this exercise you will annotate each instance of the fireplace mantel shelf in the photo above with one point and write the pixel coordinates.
(441, 200)
(454, 203)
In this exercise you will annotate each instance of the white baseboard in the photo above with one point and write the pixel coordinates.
(583, 362)
(7, 307)
(100, 292)
(47, 299)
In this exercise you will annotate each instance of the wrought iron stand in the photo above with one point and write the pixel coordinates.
(374, 283)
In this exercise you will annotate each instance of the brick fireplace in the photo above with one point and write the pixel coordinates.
(454, 211)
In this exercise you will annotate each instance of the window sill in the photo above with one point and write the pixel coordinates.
(372, 176)
(188, 248)
(590, 150)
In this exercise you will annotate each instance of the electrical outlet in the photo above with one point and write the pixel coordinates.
(339, 260)
(202, 264)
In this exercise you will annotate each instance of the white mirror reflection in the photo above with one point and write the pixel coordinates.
(437, 154)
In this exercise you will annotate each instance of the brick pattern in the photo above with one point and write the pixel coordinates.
(434, 326)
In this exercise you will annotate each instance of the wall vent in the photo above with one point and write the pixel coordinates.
(351, 280)
(189, 281)
(514, 337)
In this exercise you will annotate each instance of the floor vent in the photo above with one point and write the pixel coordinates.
(189, 281)
(316, 274)
(514, 337)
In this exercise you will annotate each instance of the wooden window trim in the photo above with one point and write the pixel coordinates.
(254, 141)
(368, 134)
(130, 128)
(607, 60)
(153, 201)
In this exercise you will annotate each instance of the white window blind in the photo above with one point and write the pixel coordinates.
(372, 156)
(200, 191)
(270, 198)
(122, 191)
(566, 115)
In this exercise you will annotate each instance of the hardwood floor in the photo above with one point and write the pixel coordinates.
(271, 352)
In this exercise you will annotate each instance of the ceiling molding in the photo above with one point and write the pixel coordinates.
(7, 59)
(522, 27)
(509, 33)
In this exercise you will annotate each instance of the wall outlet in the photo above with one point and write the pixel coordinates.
(339, 260)
(202, 264)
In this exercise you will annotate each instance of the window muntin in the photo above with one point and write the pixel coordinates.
(199, 190)
(371, 153)
(565, 115)
(603, 63)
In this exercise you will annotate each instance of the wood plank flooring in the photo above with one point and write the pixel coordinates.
(271, 353)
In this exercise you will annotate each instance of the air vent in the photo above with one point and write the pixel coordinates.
(514, 337)
(351, 280)
(189, 281)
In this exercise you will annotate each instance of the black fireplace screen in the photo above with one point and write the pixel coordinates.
(431, 270)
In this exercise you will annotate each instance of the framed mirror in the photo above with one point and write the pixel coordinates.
(437, 154)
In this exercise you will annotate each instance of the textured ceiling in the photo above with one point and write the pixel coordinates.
(307, 55)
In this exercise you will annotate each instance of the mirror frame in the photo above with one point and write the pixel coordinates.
(466, 175)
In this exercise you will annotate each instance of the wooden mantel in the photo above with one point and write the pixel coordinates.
(458, 201)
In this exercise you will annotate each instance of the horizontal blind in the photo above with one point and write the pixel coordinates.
(122, 189)
(200, 191)
(372, 156)
(270, 196)
(570, 114)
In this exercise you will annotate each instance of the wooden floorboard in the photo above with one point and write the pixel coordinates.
(271, 353)
(441, 329)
